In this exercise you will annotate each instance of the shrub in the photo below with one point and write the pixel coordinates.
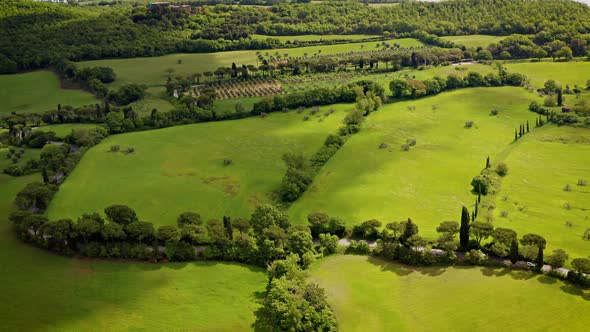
(502, 169)
(405, 147)
(494, 112)
(480, 185)
(504, 214)
(115, 148)
(227, 162)
(581, 182)
(567, 188)
(468, 124)
(130, 150)
(586, 235)
(475, 257)
(411, 141)
(383, 146)
(569, 224)
(550, 101)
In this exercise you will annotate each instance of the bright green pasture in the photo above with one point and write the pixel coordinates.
(572, 73)
(62, 130)
(430, 182)
(224, 106)
(44, 292)
(474, 41)
(37, 91)
(153, 70)
(314, 37)
(181, 169)
(540, 165)
(369, 294)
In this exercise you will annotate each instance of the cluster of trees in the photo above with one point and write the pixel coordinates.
(300, 171)
(40, 34)
(413, 88)
(520, 47)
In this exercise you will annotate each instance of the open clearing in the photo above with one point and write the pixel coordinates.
(37, 91)
(152, 71)
(430, 182)
(180, 169)
(572, 73)
(68, 294)
(62, 130)
(474, 41)
(369, 294)
(533, 195)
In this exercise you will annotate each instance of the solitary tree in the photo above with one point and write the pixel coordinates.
(464, 230)
(120, 214)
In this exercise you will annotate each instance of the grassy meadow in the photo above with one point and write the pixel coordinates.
(153, 70)
(45, 292)
(28, 154)
(180, 169)
(37, 91)
(572, 73)
(62, 130)
(474, 41)
(303, 38)
(533, 193)
(430, 182)
(369, 294)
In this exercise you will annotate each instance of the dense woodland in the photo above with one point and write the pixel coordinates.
(40, 34)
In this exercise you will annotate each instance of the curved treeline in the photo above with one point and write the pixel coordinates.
(37, 35)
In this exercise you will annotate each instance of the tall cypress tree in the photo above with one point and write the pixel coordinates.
(559, 98)
(527, 126)
(515, 135)
(229, 229)
(536, 122)
(475, 212)
(514, 251)
(479, 197)
(540, 260)
(488, 164)
(464, 230)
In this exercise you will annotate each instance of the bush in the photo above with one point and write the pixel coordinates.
(468, 124)
(502, 169)
(358, 248)
(494, 112)
(581, 182)
(550, 101)
(476, 257)
(480, 185)
(115, 148)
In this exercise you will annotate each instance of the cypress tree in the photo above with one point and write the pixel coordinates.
(540, 259)
(514, 251)
(479, 197)
(464, 230)
(527, 126)
(228, 227)
(559, 98)
(475, 212)
(515, 135)
(536, 122)
(488, 165)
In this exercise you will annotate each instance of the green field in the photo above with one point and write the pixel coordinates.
(533, 195)
(28, 154)
(572, 73)
(302, 38)
(474, 41)
(430, 182)
(181, 169)
(152, 71)
(37, 91)
(369, 294)
(45, 292)
(62, 130)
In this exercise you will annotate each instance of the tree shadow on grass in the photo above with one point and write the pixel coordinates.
(388, 266)
(574, 290)
(547, 280)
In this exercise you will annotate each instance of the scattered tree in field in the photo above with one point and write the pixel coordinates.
(502, 169)
(533, 239)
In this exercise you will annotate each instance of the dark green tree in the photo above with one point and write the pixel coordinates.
(514, 251)
(464, 230)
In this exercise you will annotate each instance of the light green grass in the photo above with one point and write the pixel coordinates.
(45, 292)
(369, 294)
(152, 71)
(181, 169)
(62, 130)
(225, 106)
(572, 73)
(540, 165)
(474, 41)
(430, 182)
(37, 92)
(314, 37)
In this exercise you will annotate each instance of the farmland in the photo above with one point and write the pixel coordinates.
(181, 169)
(570, 73)
(429, 183)
(62, 130)
(153, 71)
(37, 92)
(393, 297)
